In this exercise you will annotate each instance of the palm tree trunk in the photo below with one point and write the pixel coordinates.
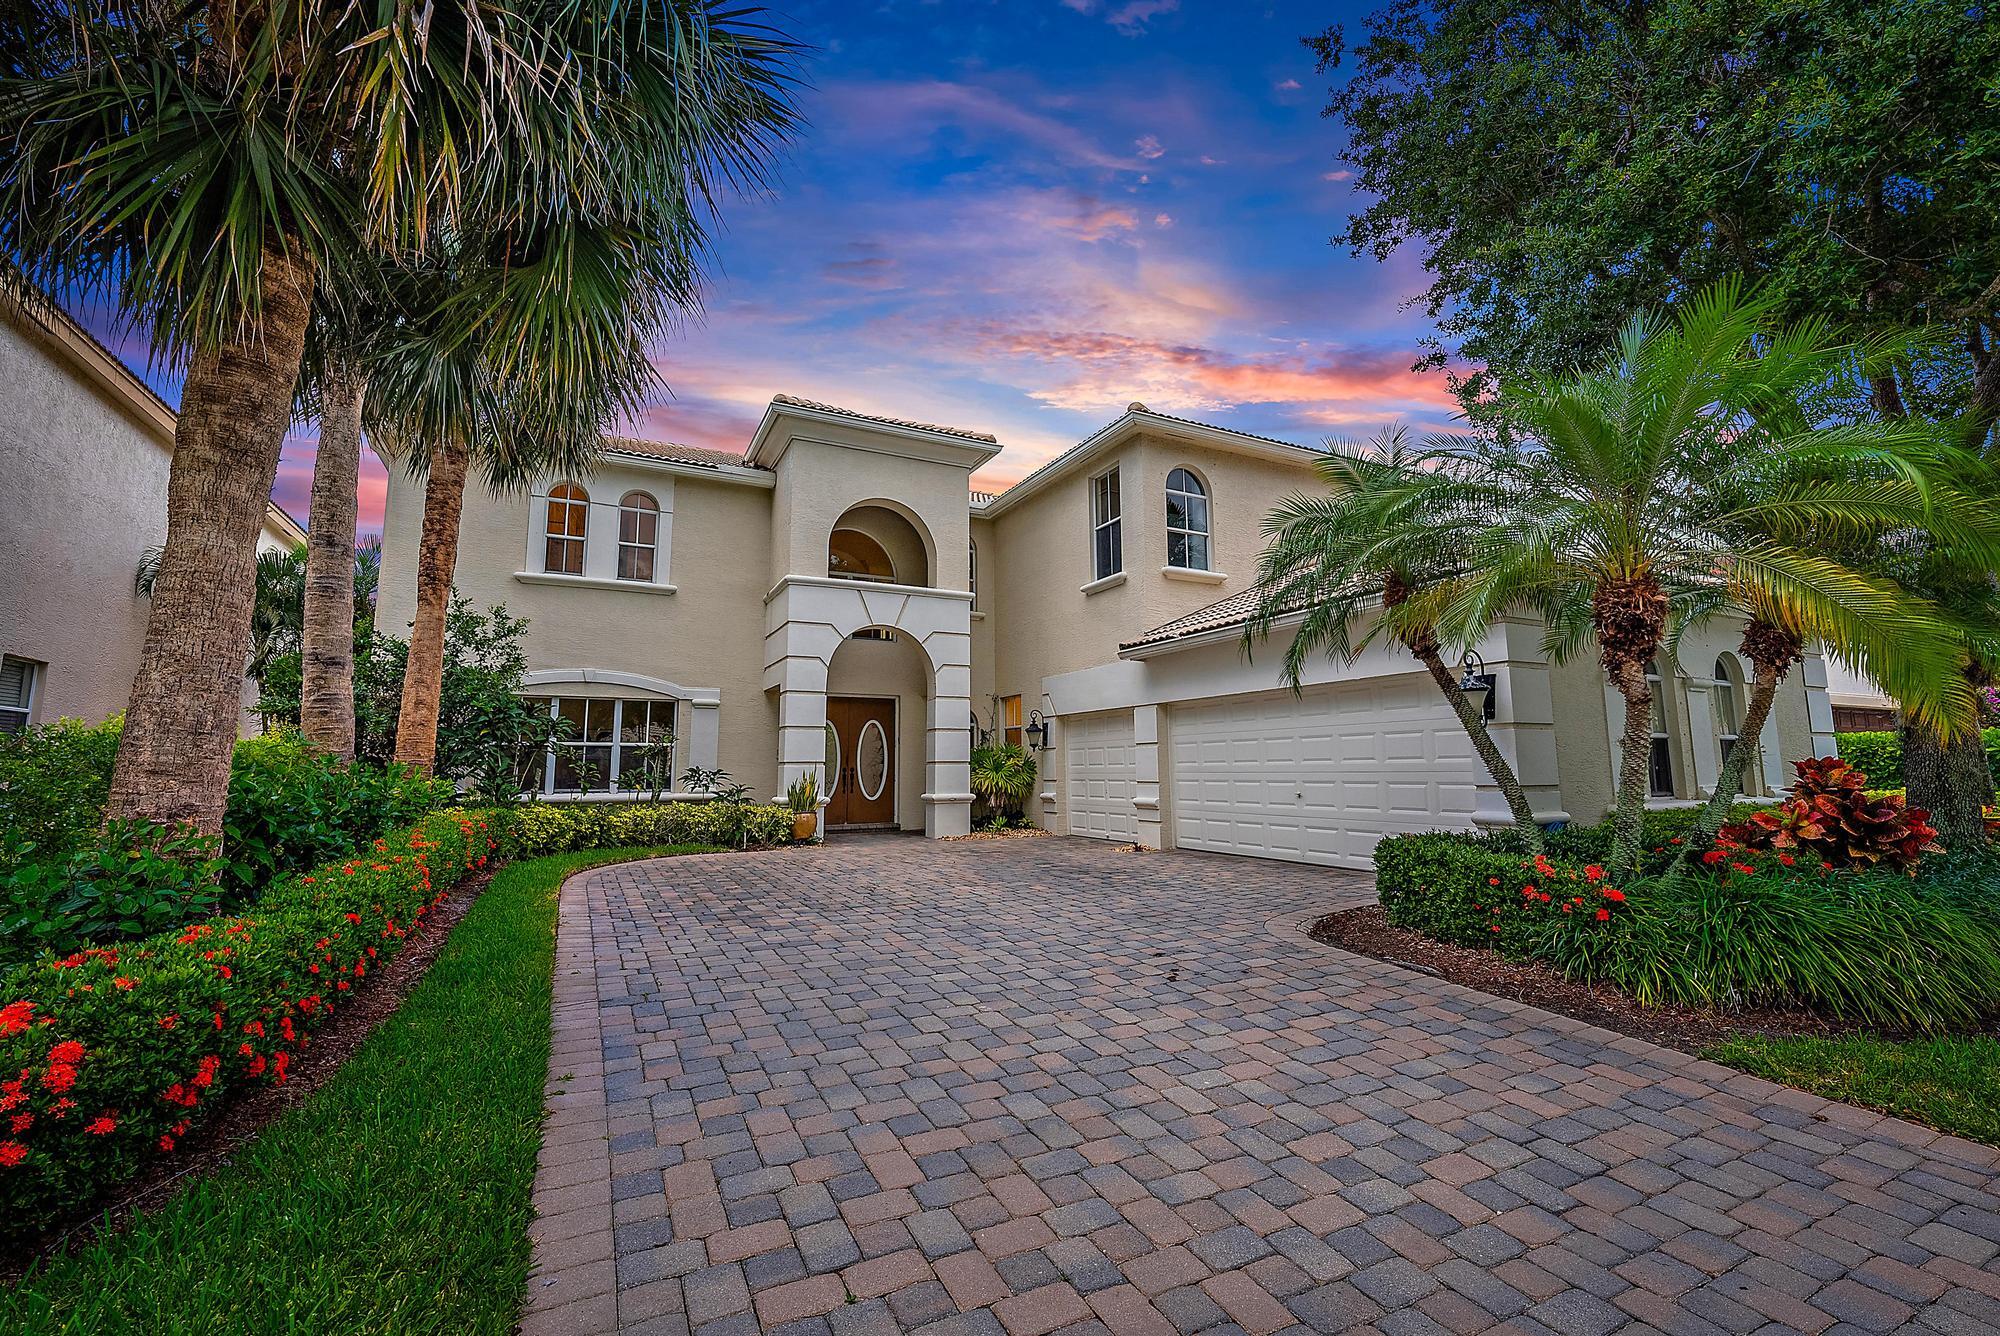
(1635, 746)
(187, 698)
(326, 694)
(1950, 779)
(1729, 784)
(437, 558)
(1489, 752)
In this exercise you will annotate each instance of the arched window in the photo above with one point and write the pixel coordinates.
(638, 536)
(1660, 761)
(1728, 707)
(1187, 522)
(568, 524)
(853, 555)
(972, 572)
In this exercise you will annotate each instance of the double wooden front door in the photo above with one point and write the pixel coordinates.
(860, 761)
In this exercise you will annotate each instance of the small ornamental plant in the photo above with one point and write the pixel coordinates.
(1521, 911)
(1831, 818)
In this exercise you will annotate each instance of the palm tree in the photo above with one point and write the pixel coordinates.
(326, 658)
(277, 611)
(1687, 475)
(212, 162)
(1385, 528)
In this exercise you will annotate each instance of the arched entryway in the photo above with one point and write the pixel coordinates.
(878, 542)
(878, 693)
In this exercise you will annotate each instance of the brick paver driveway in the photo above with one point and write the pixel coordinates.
(1040, 1085)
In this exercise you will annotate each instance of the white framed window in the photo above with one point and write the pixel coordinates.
(610, 746)
(972, 573)
(1187, 521)
(566, 529)
(638, 536)
(19, 681)
(1660, 758)
(1107, 527)
(1728, 708)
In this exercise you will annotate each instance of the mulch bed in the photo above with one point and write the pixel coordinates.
(1012, 833)
(214, 1145)
(1367, 931)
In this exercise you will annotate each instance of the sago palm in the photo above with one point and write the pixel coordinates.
(1686, 476)
(1351, 557)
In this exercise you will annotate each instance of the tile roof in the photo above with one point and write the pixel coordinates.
(679, 454)
(1232, 610)
(981, 498)
(796, 402)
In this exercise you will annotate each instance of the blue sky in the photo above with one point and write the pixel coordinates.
(1020, 216)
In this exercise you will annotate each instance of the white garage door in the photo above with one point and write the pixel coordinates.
(1319, 778)
(1097, 775)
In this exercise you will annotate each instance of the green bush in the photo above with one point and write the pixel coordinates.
(129, 880)
(120, 1050)
(117, 1052)
(1874, 949)
(53, 783)
(291, 807)
(1879, 755)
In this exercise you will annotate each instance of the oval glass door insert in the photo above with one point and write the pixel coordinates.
(832, 760)
(871, 759)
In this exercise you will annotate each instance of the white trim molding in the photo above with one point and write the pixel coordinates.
(1193, 576)
(1111, 581)
(594, 582)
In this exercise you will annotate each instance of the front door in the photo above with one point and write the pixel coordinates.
(861, 761)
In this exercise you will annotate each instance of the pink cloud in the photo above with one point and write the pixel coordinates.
(293, 488)
(1131, 17)
(1148, 147)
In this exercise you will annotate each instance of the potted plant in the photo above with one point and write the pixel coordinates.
(803, 796)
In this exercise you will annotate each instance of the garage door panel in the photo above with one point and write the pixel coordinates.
(1321, 777)
(1098, 775)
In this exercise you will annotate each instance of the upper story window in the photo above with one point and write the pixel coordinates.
(1187, 521)
(1660, 759)
(18, 680)
(853, 555)
(638, 536)
(1107, 528)
(567, 528)
(972, 572)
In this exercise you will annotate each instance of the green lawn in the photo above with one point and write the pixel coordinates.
(396, 1199)
(1950, 1084)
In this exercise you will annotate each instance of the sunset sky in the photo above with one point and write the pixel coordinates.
(1019, 217)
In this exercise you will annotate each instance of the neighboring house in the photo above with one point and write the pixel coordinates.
(836, 599)
(1859, 706)
(85, 446)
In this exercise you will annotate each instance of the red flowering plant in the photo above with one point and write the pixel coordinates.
(1544, 898)
(111, 1055)
(1830, 818)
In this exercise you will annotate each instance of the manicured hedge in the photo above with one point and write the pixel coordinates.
(1879, 755)
(111, 1055)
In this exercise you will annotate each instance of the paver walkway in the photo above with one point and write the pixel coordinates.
(1040, 1085)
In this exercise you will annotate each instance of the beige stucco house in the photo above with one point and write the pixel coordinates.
(86, 447)
(836, 599)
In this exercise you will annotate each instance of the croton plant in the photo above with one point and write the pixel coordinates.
(1830, 816)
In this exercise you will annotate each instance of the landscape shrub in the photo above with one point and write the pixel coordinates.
(550, 828)
(291, 806)
(53, 783)
(1880, 755)
(130, 879)
(1830, 819)
(1866, 948)
(111, 1054)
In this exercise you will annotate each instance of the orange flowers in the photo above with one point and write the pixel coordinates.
(101, 1126)
(12, 1153)
(14, 1017)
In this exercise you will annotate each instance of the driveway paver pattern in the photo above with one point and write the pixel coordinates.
(1041, 1085)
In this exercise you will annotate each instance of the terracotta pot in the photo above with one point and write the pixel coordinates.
(803, 824)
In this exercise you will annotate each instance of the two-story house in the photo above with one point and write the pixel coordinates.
(836, 599)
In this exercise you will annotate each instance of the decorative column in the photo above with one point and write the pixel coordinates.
(1146, 790)
(802, 727)
(1819, 714)
(948, 753)
(1523, 724)
(1703, 751)
(1047, 784)
(704, 734)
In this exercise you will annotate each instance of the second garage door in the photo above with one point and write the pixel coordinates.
(1321, 777)
(1097, 775)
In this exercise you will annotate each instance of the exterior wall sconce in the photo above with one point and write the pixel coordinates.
(1037, 731)
(1477, 685)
